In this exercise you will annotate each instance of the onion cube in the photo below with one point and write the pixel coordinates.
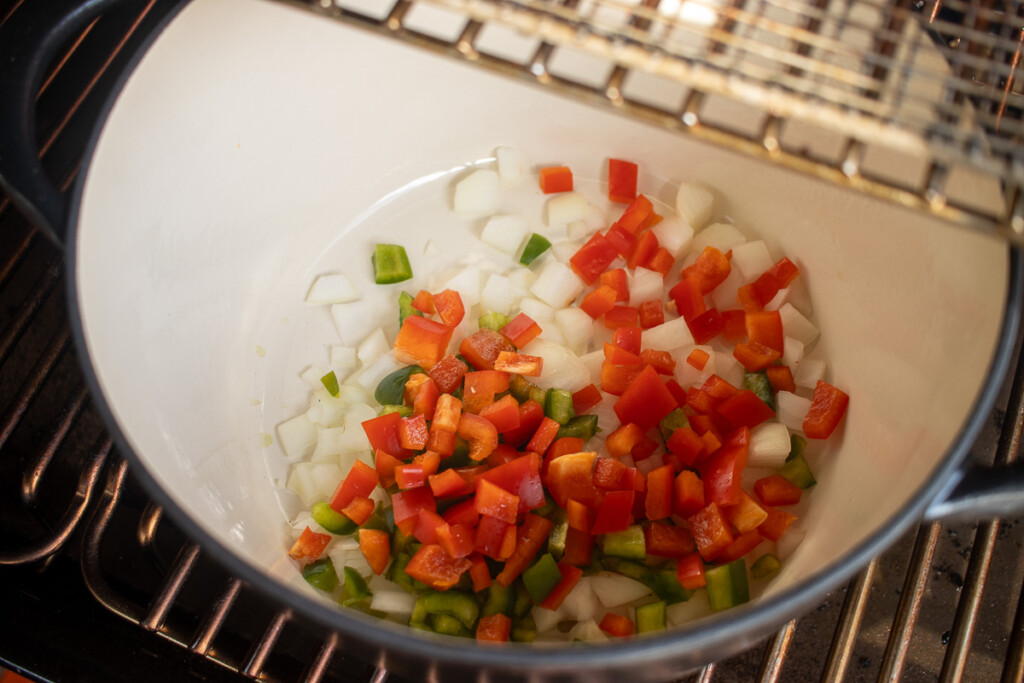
(342, 357)
(668, 336)
(792, 409)
(615, 589)
(797, 326)
(497, 294)
(505, 233)
(576, 327)
(751, 259)
(335, 288)
(467, 283)
(645, 285)
(808, 372)
(794, 352)
(769, 445)
(353, 320)
(537, 310)
(673, 234)
(721, 236)
(373, 347)
(311, 376)
(694, 204)
(477, 193)
(557, 285)
(566, 208)
(510, 164)
(297, 437)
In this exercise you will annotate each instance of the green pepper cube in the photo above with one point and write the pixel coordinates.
(666, 586)
(321, 574)
(493, 321)
(796, 468)
(727, 584)
(391, 389)
(556, 540)
(419, 616)
(535, 246)
(582, 427)
(558, 406)
(332, 520)
(541, 578)
(499, 600)
(765, 566)
(670, 423)
(330, 382)
(650, 617)
(405, 308)
(520, 387)
(522, 603)
(628, 544)
(461, 606)
(759, 384)
(356, 590)
(390, 264)
(447, 625)
(524, 630)
(404, 411)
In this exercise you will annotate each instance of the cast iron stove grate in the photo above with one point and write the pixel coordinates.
(96, 585)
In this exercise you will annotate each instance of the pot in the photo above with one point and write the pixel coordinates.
(252, 146)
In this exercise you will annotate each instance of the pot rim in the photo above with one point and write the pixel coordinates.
(692, 646)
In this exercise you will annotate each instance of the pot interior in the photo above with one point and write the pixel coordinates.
(257, 146)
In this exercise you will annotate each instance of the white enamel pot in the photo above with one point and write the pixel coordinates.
(253, 146)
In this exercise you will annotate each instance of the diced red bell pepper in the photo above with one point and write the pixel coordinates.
(690, 572)
(413, 432)
(662, 361)
(607, 474)
(521, 477)
(490, 536)
(643, 249)
(570, 577)
(749, 299)
(776, 523)
(678, 393)
(593, 258)
(448, 374)
(585, 399)
(503, 413)
(741, 545)
(765, 327)
(462, 513)
(406, 505)
(578, 515)
(617, 280)
(530, 416)
(651, 314)
(436, 568)
(480, 433)
(755, 356)
(412, 387)
(745, 409)
(698, 358)
(442, 441)
(429, 461)
(661, 261)
(718, 388)
(382, 432)
(745, 515)
(494, 501)
(685, 443)
(712, 267)
(479, 388)
(734, 325)
(621, 181)
(449, 307)
(621, 316)
(385, 464)
(621, 239)
(598, 301)
(530, 537)
(706, 326)
(616, 625)
(579, 547)
(712, 442)
(424, 302)
(710, 532)
(828, 405)
(425, 400)
(309, 545)
(784, 272)
(616, 355)
(627, 339)
(701, 423)
(521, 330)
(427, 524)
(375, 545)
(722, 474)
(563, 446)
(660, 482)
(572, 476)
(615, 513)
(502, 454)
(644, 449)
(777, 490)
(637, 216)
(360, 481)
(494, 628)
(615, 379)
(479, 573)
(447, 414)
(668, 540)
(544, 436)
(448, 484)
(781, 378)
(646, 401)
(621, 441)
(482, 347)
(688, 297)
(422, 341)
(519, 364)
(359, 509)
(554, 179)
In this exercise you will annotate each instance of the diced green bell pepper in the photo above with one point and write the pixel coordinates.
(391, 389)
(447, 625)
(522, 603)
(582, 427)
(524, 630)
(493, 321)
(628, 544)
(404, 411)
(759, 384)
(419, 616)
(378, 519)
(332, 520)
(541, 578)
(556, 539)
(765, 566)
(650, 617)
(462, 606)
(499, 600)
(330, 382)
(397, 573)
(675, 420)
(405, 308)
(666, 586)
(321, 574)
(390, 264)
(355, 591)
(796, 469)
(558, 406)
(633, 570)
(727, 584)
(535, 246)
(519, 387)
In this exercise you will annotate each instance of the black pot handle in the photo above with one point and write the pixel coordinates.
(29, 41)
(979, 492)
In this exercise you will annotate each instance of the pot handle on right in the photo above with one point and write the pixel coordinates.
(980, 492)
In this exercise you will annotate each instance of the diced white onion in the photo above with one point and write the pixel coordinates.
(673, 234)
(615, 589)
(326, 477)
(342, 556)
(396, 601)
(373, 347)
(793, 351)
(477, 193)
(325, 410)
(687, 375)
(578, 231)
(467, 283)
(795, 325)
(565, 208)
(592, 362)
(342, 357)
(510, 164)
(372, 374)
(353, 321)
(694, 204)
(576, 327)
(328, 444)
(607, 418)
(792, 409)
(353, 393)
(552, 333)
(564, 250)
(539, 311)
(562, 368)
(668, 336)
(751, 259)
(780, 299)
(646, 285)
(300, 482)
(431, 248)
(650, 463)
(596, 219)
(312, 377)
(496, 295)
(769, 445)
(581, 603)
(683, 612)
(723, 297)
(729, 369)
(721, 236)
(808, 372)
(520, 280)
(297, 437)
(557, 285)
(588, 631)
(505, 233)
(334, 288)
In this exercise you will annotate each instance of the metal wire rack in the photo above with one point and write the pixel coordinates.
(832, 88)
(95, 584)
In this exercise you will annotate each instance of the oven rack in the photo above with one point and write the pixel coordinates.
(844, 91)
(96, 584)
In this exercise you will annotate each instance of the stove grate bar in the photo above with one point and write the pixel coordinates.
(844, 639)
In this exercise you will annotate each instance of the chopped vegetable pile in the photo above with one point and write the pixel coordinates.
(603, 440)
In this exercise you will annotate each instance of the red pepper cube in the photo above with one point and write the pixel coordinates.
(519, 364)
(627, 338)
(718, 388)
(494, 501)
(360, 481)
(385, 464)
(494, 628)
(570, 577)
(621, 239)
(781, 378)
(480, 433)
(644, 449)
(710, 532)
(441, 441)
(530, 416)
(579, 547)
(521, 477)
(646, 401)
(479, 388)
(775, 524)
(722, 474)
(754, 355)
(502, 454)
(660, 482)
(698, 358)
(706, 326)
(309, 545)
(678, 393)
(637, 216)
(427, 524)
(448, 484)
(598, 302)
(685, 443)
(449, 307)
(521, 330)
(616, 355)
(615, 379)
(746, 515)
(585, 399)
(765, 327)
(406, 505)
(615, 513)
(503, 414)
(745, 409)
(690, 572)
(617, 280)
(572, 476)
(661, 261)
(661, 361)
(578, 514)
(777, 490)
(622, 181)
(711, 267)
(462, 513)
(436, 568)
(621, 316)
(424, 302)
(554, 179)
(382, 433)
(447, 414)
(621, 441)
(544, 436)
(688, 297)
(426, 394)
(409, 476)
(741, 545)
(593, 258)
(482, 347)
(422, 341)
(828, 405)
(643, 250)
(375, 545)
(563, 446)
(734, 325)
(616, 625)
(413, 432)
(688, 494)
(608, 474)
(490, 536)
(651, 314)
(668, 540)
(479, 573)
(529, 538)
(447, 375)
